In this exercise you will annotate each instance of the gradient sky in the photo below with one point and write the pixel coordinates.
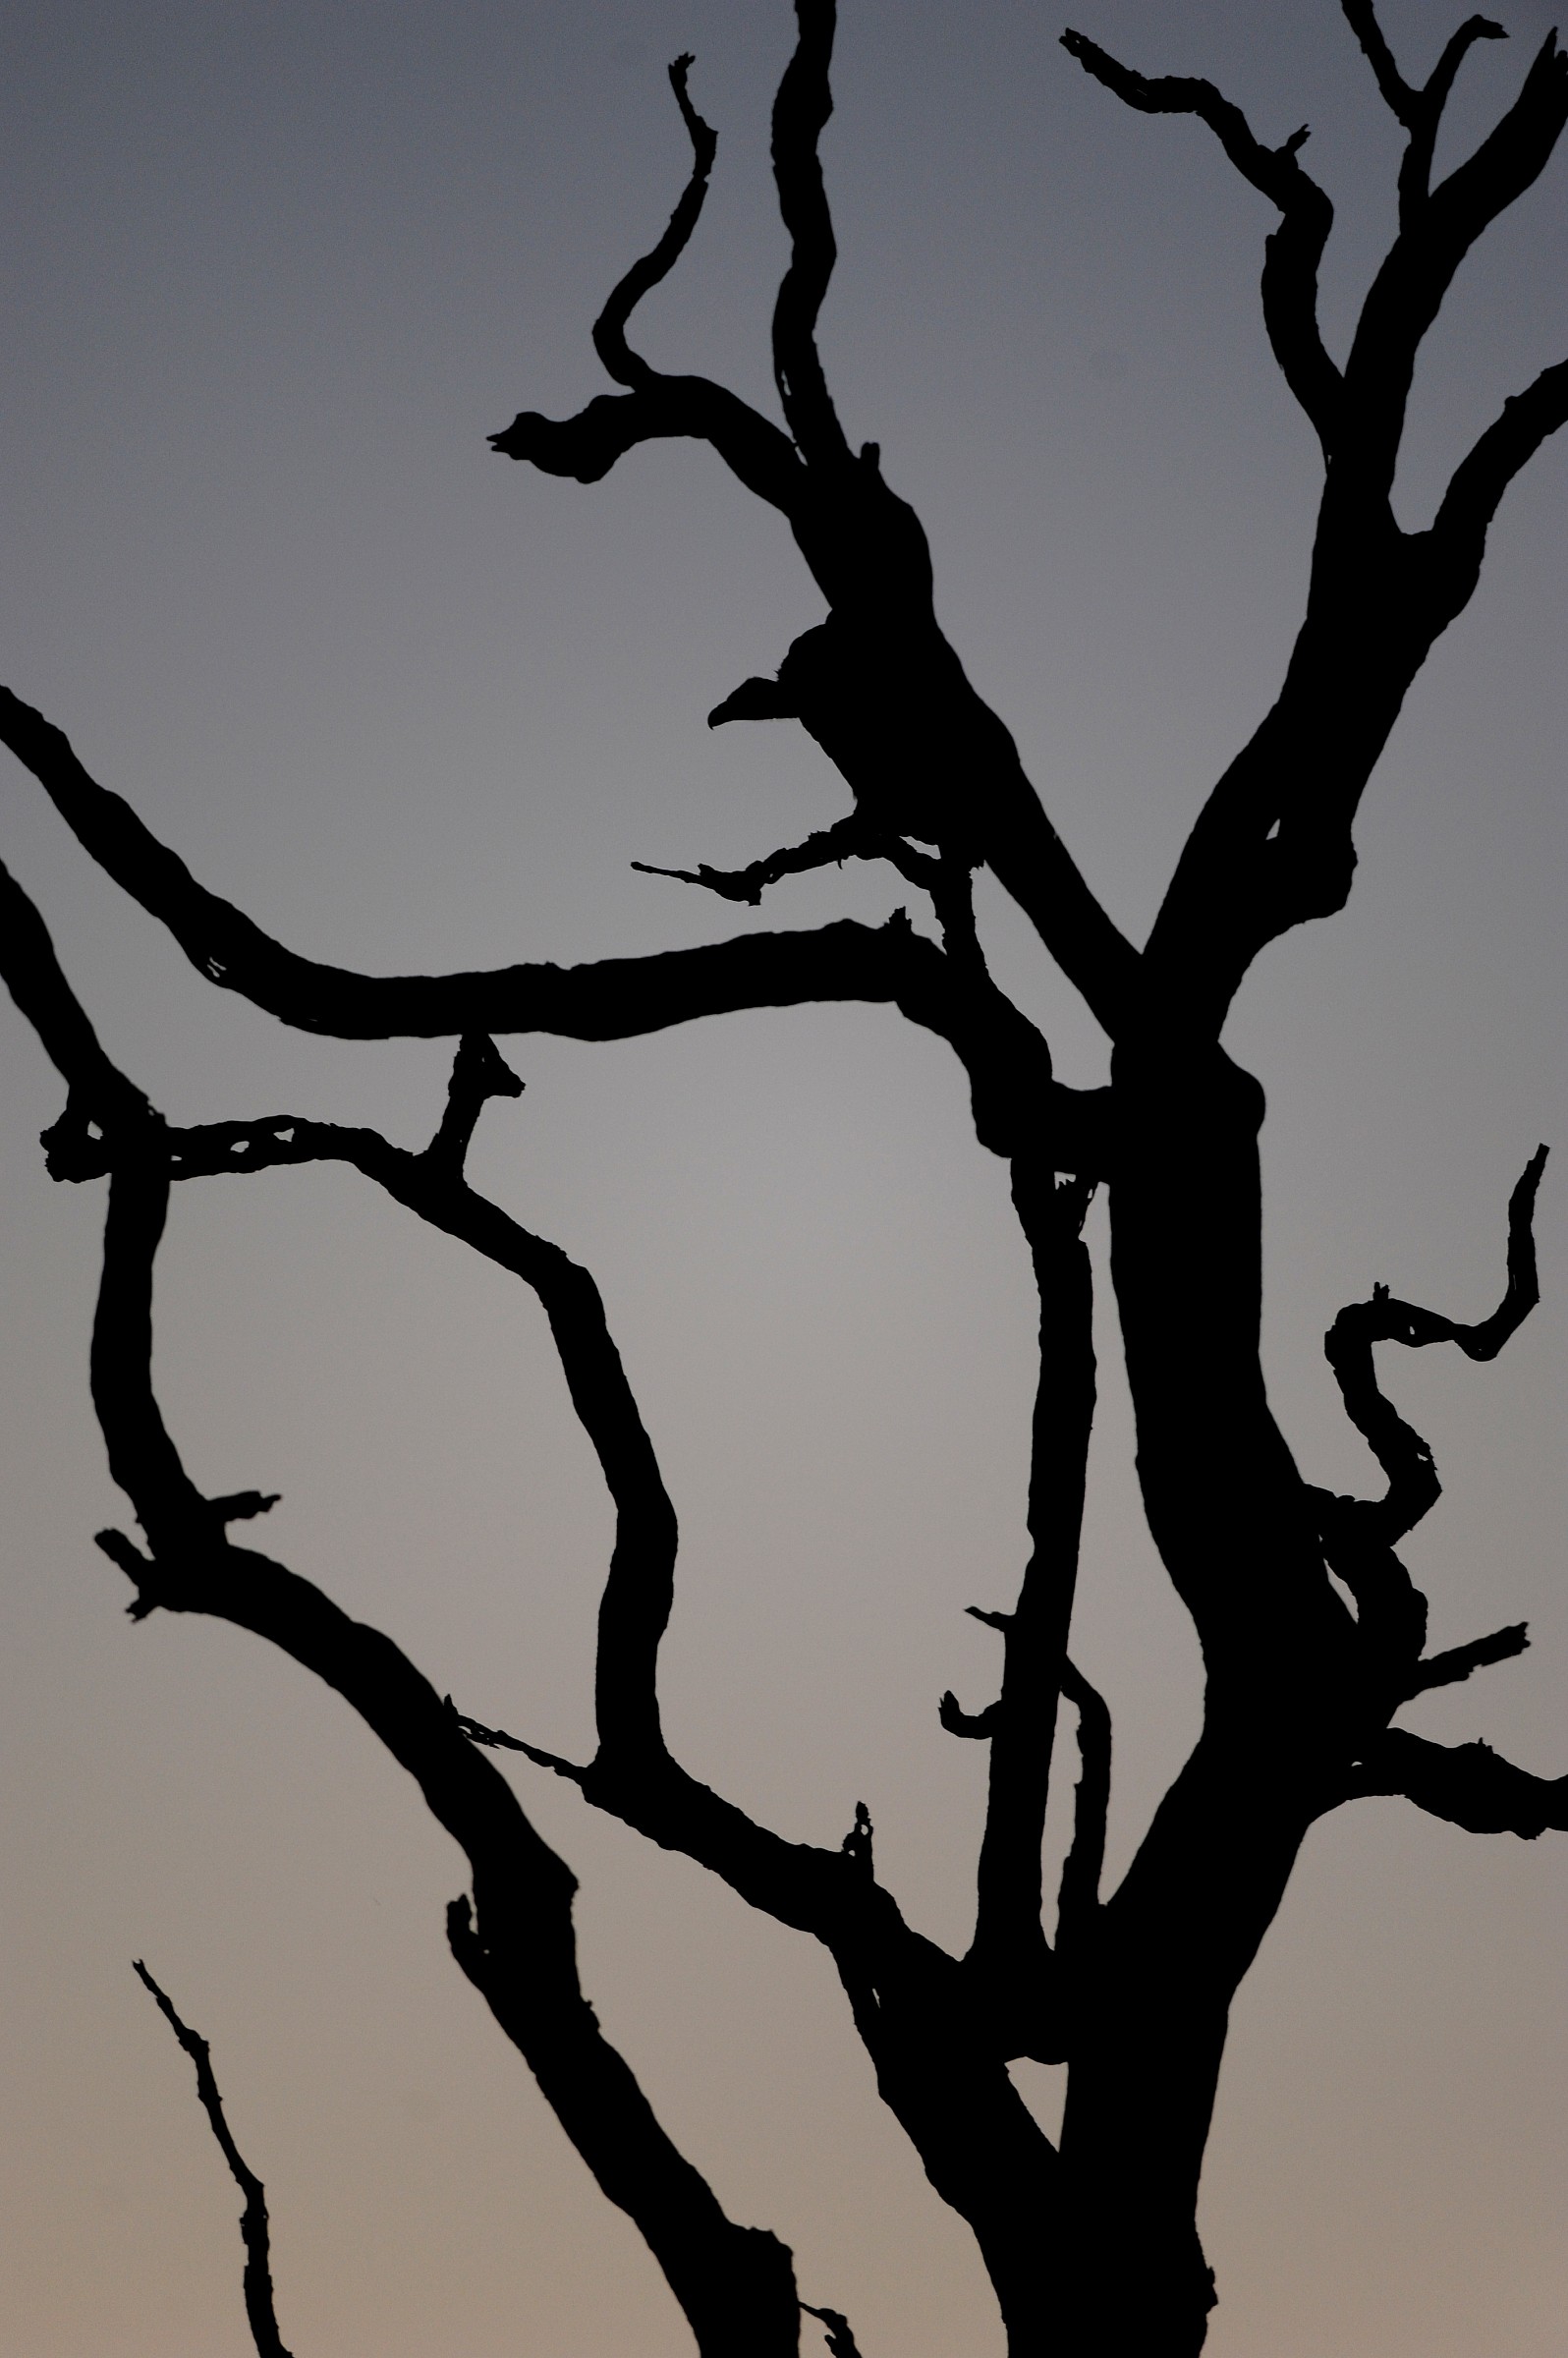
(271, 274)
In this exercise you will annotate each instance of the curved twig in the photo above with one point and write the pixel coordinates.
(1405, 1458)
(628, 368)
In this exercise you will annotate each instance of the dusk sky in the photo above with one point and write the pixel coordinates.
(271, 275)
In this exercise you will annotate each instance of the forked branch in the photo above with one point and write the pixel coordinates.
(1418, 110)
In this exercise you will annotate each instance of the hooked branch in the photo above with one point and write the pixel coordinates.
(1293, 252)
(628, 368)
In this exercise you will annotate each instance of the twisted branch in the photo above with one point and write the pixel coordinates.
(801, 111)
(1358, 1534)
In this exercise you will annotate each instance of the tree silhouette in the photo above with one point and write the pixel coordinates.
(1312, 1632)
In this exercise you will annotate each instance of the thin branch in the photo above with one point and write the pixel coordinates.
(1405, 1458)
(609, 329)
(1009, 1953)
(800, 113)
(1294, 251)
(253, 2225)
(1448, 1668)
(1468, 1785)
(497, 1739)
(1078, 1898)
(1420, 111)
(847, 839)
(1403, 103)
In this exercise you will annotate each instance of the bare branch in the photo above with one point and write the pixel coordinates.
(1077, 1899)
(613, 999)
(1402, 100)
(479, 1074)
(1405, 1458)
(1420, 111)
(253, 2225)
(1437, 232)
(1294, 251)
(847, 839)
(1509, 443)
(959, 1723)
(633, 1776)
(45, 996)
(841, 2342)
(736, 2285)
(1448, 1670)
(609, 329)
(1009, 1953)
(663, 409)
(498, 1740)
(800, 113)
(1016, 1100)
(1468, 1785)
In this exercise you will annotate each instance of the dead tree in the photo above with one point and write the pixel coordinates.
(1312, 1632)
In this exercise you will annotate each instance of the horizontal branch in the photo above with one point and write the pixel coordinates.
(1468, 1785)
(662, 409)
(847, 839)
(254, 2229)
(1016, 1100)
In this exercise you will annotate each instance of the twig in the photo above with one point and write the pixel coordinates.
(254, 2227)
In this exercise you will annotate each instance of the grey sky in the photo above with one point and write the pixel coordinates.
(272, 273)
